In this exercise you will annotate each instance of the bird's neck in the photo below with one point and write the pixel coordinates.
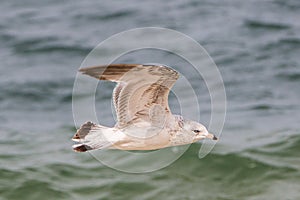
(179, 121)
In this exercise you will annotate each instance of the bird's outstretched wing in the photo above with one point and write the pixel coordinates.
(140, 88)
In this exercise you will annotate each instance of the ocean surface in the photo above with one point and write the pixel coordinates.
(256, 46)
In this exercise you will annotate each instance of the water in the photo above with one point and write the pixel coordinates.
(256, 45)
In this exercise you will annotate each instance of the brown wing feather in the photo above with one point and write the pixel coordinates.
(109, 72)
(139, 88)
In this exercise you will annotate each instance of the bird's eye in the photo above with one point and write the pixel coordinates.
(196, 131)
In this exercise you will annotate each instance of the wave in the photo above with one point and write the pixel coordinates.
(289, 76)
(106, 16)
(45, 44)
(243, 173)
(281, 45)
(255, 24)
(52, 91)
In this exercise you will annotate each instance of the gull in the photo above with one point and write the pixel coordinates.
(144, 119)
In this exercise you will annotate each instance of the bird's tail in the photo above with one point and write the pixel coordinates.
(91, 136)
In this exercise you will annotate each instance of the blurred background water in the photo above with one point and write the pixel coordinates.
(255, 44)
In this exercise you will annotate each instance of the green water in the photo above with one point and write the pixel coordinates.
(227, 176)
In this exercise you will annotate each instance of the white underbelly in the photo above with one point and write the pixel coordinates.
(144, 140)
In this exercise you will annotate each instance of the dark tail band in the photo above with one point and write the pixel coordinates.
(81, 148)
(83, 130)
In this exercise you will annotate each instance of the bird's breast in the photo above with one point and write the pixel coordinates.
(151, 140)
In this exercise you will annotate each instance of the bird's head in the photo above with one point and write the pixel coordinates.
(198, 130)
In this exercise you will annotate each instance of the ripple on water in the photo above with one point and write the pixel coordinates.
(255, 24)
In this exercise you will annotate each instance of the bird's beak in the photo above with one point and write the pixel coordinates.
(211, 136)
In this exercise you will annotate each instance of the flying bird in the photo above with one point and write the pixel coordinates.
(144, 119)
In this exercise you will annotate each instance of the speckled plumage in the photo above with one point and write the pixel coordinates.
(144, 119)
